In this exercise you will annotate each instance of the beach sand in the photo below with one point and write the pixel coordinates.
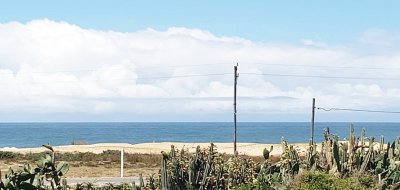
(250, 149)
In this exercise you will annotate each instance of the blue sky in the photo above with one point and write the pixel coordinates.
(99, 60)
(280, 21)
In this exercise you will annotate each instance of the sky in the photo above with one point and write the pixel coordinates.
(173, 60)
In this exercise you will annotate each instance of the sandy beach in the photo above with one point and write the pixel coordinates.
(250, 149)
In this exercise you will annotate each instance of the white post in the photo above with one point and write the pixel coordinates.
(122, 163)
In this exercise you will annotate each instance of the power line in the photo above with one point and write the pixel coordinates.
(139, 78)
(210, 64)
(174, 66)
(65, 71)
(324, 66)
(357, 110)
(260, 74)
(99, 69)
(320, 76)
(184, 76)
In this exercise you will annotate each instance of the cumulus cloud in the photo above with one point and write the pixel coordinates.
(58, 67)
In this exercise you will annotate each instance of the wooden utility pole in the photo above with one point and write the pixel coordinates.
(236, 75)
(312, 120)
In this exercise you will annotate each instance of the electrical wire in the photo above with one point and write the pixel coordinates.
(320, 76)
(357, 110)
(184, 76)
(139, 67)
(139, 78)
(324, 66)
(174, 66)
(212, 64)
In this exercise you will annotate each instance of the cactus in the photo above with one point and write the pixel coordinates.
(336, 157)
(362, 140)
(164, 174)
(328, 150)
(368, 157)
(290, 162)
(151, 182)
(208, 167)
(141, 181)
(381, 144)
(311, 156)
(206, 170)
(266, 152)
(351, 147)
(64, 184)
(25, 177)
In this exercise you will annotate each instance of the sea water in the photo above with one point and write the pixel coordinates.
(36, 134)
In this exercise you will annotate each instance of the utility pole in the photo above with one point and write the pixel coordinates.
(236, 75)
(312, 120)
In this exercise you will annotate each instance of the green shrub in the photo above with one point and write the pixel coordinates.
(5, 155)
(324, 181)
(314, 181)
(245, 187)
(255, 186)
(367, 181)
(34, 156)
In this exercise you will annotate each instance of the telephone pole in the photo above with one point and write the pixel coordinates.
(312, 120)
(236, 75)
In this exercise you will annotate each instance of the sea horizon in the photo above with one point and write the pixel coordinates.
(34, 134)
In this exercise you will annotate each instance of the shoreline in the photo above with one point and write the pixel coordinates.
(250, 149)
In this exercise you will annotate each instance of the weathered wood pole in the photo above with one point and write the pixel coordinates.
(234, 109)
(312, 120)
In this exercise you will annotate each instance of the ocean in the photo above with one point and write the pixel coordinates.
(35, 134)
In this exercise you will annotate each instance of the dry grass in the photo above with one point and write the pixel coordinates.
(106, 164)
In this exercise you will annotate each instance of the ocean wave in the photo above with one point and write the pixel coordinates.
(8, 148)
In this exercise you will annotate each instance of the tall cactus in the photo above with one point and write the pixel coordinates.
(328, 150)
(194, 169)
(164, 171)
(362, 138)
(336, 156)
(208, 167)
(381, 144)
(368, 157)
(311, 155)
(64, 184)
(351, 147)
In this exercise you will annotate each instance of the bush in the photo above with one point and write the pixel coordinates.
(6, 155)
(33, 156)
(367, 181)
(245, 187)
(314, 181)
(324, 181)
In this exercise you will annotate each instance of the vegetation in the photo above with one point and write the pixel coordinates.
(359, 163)
(86, 158)
(29, 178)
(355, 164)
(324, 181)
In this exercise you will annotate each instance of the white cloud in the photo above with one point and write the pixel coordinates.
(379, 37)
(57, 67)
